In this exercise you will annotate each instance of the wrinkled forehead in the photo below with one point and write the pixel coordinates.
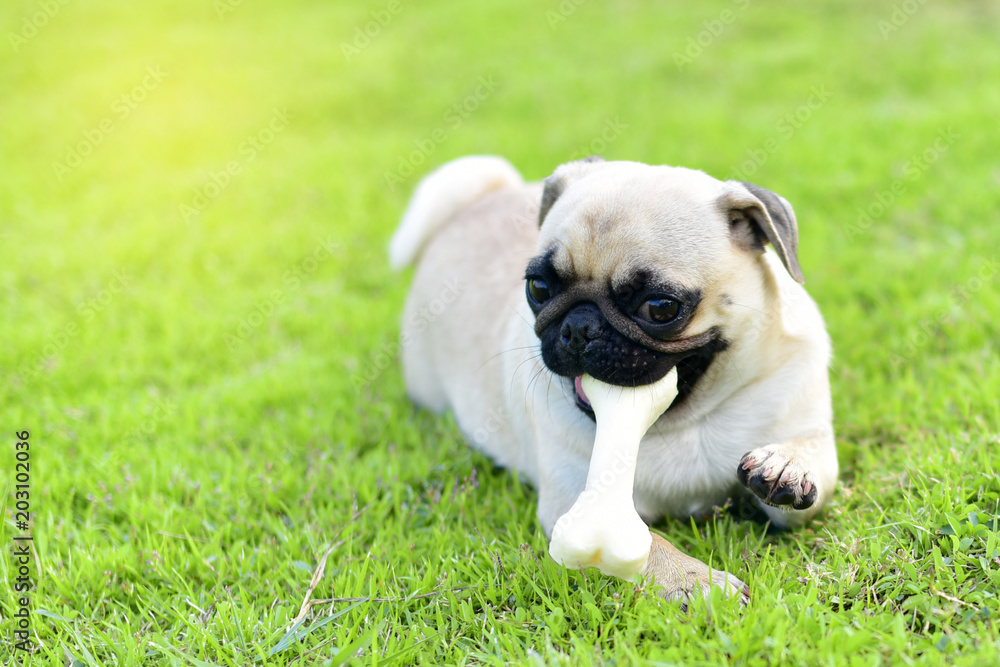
(620, 222)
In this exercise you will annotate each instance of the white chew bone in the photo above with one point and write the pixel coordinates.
(602, 528)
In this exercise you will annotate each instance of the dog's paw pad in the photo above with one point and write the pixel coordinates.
(776, 479)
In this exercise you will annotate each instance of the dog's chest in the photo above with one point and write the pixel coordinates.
(686, 472)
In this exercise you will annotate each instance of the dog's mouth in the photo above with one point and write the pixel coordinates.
(582, 401)
(690, 371)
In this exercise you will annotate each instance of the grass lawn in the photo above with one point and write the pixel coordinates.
(198, 325)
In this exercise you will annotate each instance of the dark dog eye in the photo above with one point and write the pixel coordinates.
(538, 290)
(660, 310)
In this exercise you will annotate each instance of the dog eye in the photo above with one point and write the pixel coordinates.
(660, 310)
(538, 290)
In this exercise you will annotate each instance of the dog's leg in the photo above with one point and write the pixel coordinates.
(559, 486)
(682, 576)
(791, 480)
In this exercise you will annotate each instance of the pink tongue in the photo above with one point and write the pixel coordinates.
(578, 383)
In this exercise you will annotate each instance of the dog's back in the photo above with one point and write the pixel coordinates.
(471, 228)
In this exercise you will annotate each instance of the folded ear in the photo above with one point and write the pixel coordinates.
(757, 215)
(565, 174)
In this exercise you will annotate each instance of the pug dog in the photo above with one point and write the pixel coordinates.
(622, 271)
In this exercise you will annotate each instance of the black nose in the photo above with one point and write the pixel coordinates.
(582, 325)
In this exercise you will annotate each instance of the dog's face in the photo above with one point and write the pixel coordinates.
(641, 269)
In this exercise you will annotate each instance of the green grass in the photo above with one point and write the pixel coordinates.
(201, 430)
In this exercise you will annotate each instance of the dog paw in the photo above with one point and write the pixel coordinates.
(699, 584)
(776, 479)
(682, 577)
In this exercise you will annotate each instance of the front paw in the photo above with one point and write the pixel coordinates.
(682, 577)
(776, 479)
(699, 582)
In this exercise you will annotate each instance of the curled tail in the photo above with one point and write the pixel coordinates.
(440, 195)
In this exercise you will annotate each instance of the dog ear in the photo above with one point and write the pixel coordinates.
(770, 219)
(560, 178)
